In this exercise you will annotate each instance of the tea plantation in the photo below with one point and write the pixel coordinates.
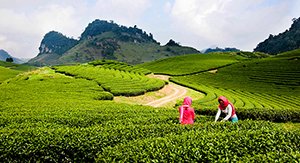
(66, 114)
(260, 88)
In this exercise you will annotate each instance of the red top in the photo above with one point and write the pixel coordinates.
(225, 104)
(186, 112)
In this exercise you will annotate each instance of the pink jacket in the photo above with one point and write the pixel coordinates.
(186, 112)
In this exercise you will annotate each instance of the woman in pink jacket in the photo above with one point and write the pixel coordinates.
(186, 112)
(226, 107)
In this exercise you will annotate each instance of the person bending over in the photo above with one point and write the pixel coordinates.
(226, 107)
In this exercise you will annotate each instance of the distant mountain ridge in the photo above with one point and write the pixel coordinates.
(105, 40)
(217, 49)
(4, 55)
(286, 41)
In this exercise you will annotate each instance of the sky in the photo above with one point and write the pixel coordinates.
(200, 24)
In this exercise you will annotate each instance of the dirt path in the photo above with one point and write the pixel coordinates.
(178, 92)
(166, 97)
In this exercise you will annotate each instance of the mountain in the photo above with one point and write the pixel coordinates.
(105, 40)
(217, 49)
(4, 55)
(286, 41)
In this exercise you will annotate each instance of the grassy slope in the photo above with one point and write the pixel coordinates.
(7, 73)
(264, 84)
(129, 52)
(19, 67)
(189, 64)
(9, 70)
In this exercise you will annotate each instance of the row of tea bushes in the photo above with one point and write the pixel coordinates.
(190, 64)
(104, 131)
(7, 73)
(212, 143)
(44, 83)
(277, 108)
(49, 117)
(111, 64)
(117, 82)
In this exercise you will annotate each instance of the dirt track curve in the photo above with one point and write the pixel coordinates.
(177, 92)
(165, 97)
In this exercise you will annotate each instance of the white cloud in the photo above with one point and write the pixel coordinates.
(30, 20)
(240, 23)
(198, 23)
(122, 12)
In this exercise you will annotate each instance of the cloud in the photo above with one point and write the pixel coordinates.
(125, 12)
(24, 23)
(240, 23)
(197, 23)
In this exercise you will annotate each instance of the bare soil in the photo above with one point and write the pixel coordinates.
(165, 97)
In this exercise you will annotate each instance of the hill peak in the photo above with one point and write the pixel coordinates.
(98, 27)
(283, 42)
(105, 40)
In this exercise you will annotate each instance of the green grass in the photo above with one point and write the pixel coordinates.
(7, 73)
(189, 64)
(19, 67)
(44, 83)
(9, 70)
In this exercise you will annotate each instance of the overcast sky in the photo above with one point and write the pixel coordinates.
(197, 23)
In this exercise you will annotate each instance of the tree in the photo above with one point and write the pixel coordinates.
(172, 43)
(10, 59)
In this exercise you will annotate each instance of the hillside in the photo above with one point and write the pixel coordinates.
(286, 41)
(4, 55)
(9, 70)
(66, 114)
(268, 84)
(105, 40)
(196, 63)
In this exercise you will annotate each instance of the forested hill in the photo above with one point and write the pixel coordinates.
(55, 42)
(286, 41)
(105, 40)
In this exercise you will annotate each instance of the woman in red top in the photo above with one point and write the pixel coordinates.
(186, 112)
(226, 107)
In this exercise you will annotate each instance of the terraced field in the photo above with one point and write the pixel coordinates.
(9, 70)
(118, 79)
(66, 114)
(270, 86)
(189, 64)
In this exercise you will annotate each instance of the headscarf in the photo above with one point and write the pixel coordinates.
(225, 102)
(187, 101)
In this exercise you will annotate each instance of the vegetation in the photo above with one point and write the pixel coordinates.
(10, 59)
(9, 70)
(286, 41)
(98, 27)
(119, 79)
(57, 43)
(190, 64)
(7, 73)
(66, 113)
(217, 49)
(104, 40)
(271, 87)
(172, 43)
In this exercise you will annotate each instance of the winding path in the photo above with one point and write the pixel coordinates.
(178, 92)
